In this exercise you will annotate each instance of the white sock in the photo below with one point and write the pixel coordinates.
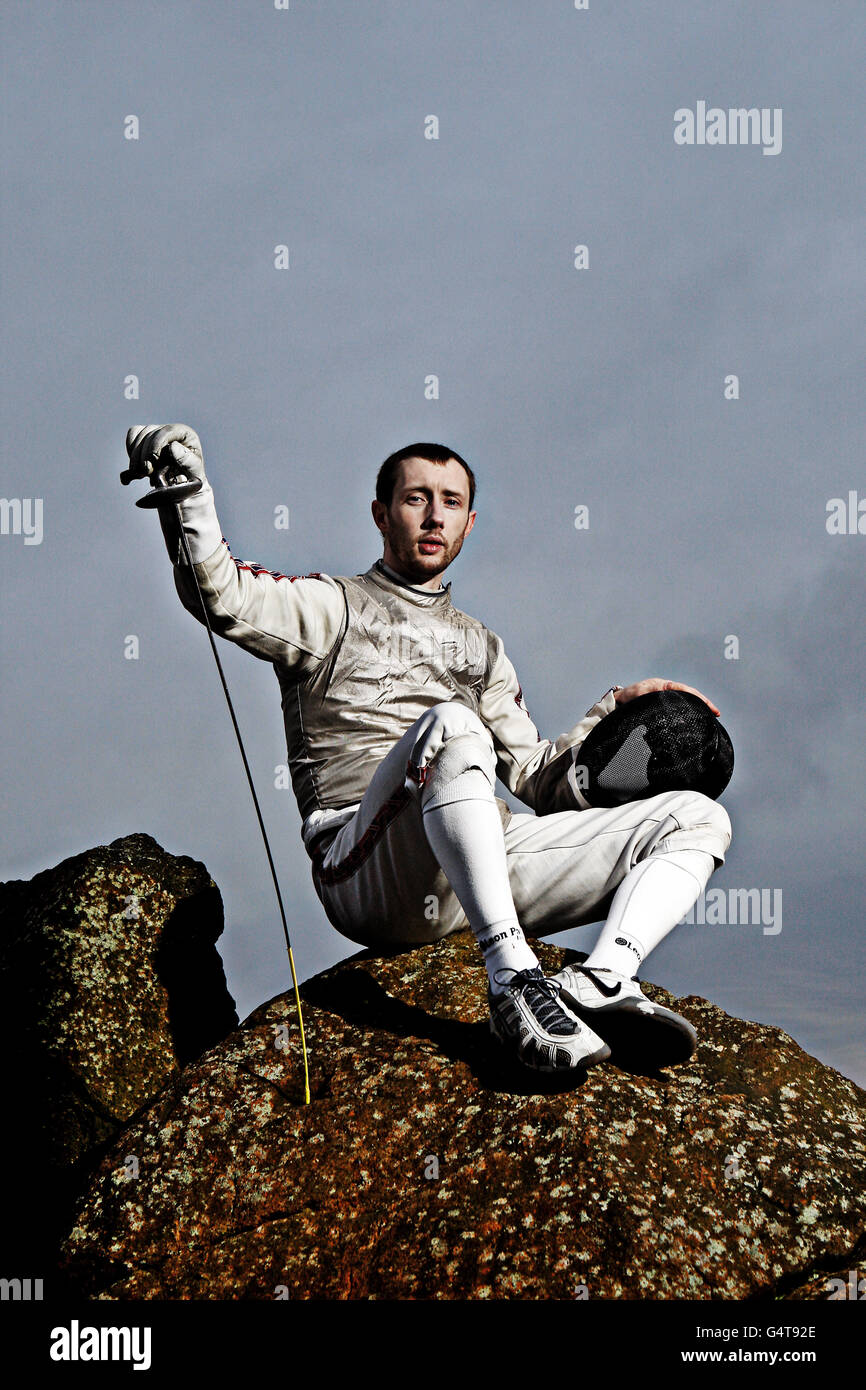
(466, 838)
(648, 904)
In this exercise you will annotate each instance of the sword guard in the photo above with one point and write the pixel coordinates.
(164, 494)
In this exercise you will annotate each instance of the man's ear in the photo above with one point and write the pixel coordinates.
(470, 523)
(380, 511)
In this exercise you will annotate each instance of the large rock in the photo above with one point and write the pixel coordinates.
(426, 1168)
(111, 983)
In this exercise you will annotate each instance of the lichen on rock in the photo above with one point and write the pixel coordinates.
(427, 1166)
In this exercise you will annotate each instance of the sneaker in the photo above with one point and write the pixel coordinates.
(528, 1017)
(637, 1030)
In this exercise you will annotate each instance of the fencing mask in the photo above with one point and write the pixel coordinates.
(665, 741)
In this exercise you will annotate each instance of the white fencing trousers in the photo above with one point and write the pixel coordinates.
(381, 886)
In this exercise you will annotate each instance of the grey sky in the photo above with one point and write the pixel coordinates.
(410, 257)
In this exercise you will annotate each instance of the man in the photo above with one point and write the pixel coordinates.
(400, 712)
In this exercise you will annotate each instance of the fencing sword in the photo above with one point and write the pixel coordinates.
(165, 494)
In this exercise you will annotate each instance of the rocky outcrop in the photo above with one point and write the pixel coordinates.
(169, 1154)
(425, 1167)
(111, 983)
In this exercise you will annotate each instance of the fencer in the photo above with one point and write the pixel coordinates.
(400, 712)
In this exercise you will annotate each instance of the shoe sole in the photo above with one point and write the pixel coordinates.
(505, 1040)
(636, 1037)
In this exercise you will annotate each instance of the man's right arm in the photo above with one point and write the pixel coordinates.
(292, 620)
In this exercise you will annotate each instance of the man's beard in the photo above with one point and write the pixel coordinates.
(414, 571)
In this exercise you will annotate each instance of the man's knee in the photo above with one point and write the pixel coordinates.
(703, 824)
(450, 740)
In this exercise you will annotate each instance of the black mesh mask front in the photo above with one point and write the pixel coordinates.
(665, 741)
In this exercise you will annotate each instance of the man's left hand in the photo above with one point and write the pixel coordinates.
(631, 692)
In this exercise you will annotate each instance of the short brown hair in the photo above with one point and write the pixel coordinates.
(433, 453)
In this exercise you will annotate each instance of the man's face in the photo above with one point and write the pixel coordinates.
(427, 521)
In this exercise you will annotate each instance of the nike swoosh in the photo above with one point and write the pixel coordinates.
(608, 990)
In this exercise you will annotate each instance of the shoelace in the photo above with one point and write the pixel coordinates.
(542, 996)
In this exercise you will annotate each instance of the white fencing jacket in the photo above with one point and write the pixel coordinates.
(360, 659)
